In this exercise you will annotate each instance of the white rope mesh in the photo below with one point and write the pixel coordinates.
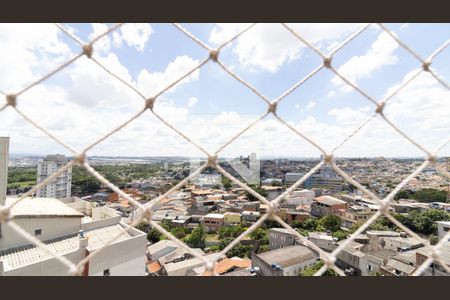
(145, 210)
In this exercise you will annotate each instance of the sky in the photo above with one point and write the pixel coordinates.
(82, 102)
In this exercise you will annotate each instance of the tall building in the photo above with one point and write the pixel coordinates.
(61, 186)
(4, 158)
(448, 188)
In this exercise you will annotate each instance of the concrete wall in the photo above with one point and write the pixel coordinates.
(100, 223)
(295, 270)
(132, 267)
(50, 227)
(99, 213)
(49, 267)
(279, 240)
(443, 229)
(115, 255)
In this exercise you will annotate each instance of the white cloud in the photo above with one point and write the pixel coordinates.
(134, 34)
(27, 52)
(269, 46)
(151, 83)
(379, 55)
(192, 101)
(310, 105)
(103, 44)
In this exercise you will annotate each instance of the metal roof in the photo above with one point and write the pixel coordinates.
(288, 256)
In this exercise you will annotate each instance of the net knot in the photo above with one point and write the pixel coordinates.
(80, 158)
(88, 50)
(214, 55)
(11, 99)
(426, 66)
(149, 103)
(273, 107)
(380, 107)
(212, 161)
(327, 62)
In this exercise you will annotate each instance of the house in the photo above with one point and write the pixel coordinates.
(434, 269)
(212, 222)
(166, 251)
(250, 216)
(323, 240)
(227, 265)
(280, 238)
(371, 262)
(357, 214)
(272, 191)
(187, 266)
(326, 205)
(287, 261)
(402, 264)
(296, 215)
(231, 218)
(348, 259)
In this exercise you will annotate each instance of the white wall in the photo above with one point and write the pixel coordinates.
(116, 254)
(443, 228)
(295, 270)
(51, 228)
(49, 267)
(132, 267)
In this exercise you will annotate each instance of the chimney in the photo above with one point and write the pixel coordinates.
(4, 159)
(83, 240)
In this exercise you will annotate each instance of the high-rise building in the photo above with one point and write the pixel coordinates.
(59, 187)
(4, 157)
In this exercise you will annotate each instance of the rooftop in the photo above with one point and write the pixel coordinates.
(25, 255)
(229, 263)
(214, 216)
(288, 256)
(329, 200)
(41, 207)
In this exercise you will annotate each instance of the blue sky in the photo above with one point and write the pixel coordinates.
(82, 102)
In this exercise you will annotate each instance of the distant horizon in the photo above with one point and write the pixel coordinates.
(224, 157)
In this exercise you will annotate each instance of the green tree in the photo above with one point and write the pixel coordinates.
(423, 222)
(260, 234)
(257, 189)
(197, 237)
(340, 235)
(154, 235)
(167, 224)
(331, 222)
(434, 240)
(226, 182)
(179, 232)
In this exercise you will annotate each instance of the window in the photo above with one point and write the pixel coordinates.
(106, 272)
(38, 232)
(369, 267)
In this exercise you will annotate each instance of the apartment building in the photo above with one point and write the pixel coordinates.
(59, 187)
